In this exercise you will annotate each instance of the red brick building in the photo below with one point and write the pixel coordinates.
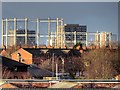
(22, 56)
(12, 69)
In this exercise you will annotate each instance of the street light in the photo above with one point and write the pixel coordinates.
(57, 69)
(62, 67)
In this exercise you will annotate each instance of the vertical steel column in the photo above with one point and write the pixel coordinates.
(15, 28)
(2, 32)
(6, 32)
(57, 41)
(86, 39)
(49, 32)
(54, 38)
(38, 32)
(62, 34)
(74, 37)
(26, 29)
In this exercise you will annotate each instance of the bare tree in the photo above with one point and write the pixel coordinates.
(5, 72)
(99, 64)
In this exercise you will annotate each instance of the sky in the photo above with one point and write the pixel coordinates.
(97, 16)
(60, 0)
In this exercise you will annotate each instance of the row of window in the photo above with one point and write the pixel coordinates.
(83, 38)
(23, 32)
(78, 28)
(78, 37)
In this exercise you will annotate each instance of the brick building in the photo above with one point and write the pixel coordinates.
(12, 69)
(22, 56)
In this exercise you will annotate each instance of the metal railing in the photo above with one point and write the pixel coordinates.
(67, 80)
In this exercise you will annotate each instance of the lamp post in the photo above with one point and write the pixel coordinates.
(62, 67)
(57, 69)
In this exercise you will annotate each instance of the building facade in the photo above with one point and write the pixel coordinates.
(22, 56)
(74, 33)
(20, 37)
(12, 35)
(103, 39)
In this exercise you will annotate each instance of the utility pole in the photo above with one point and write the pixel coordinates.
(62, 67)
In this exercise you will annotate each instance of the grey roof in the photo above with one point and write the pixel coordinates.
(33, 70)
(12, 64)
(38, 72)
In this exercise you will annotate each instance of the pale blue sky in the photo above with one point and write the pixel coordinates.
(98, 16)
(60, 0)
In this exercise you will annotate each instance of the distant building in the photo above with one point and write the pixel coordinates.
(29, 37)
(103, 38)
(74, 33)
(20, 37)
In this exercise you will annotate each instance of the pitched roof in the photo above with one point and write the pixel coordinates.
(11, 64)
(38, 72)
(33, 70)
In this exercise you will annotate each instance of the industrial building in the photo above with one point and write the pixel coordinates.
(24, 36)
(60, 36)
(20, 40)
(75, 33)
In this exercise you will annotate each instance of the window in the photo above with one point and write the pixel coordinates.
(19, 57)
